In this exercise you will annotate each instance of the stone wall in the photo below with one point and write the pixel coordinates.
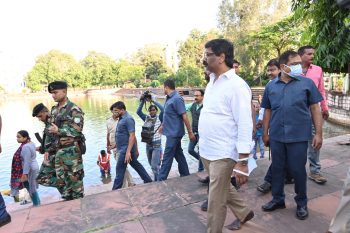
(339, 108)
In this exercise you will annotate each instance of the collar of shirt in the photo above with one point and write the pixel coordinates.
(228, 74)
(297, 78)
(171, 94)
(126, 114)
(64, 106)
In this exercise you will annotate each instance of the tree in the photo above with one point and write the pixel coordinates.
(190, 76)
(239, 17)
(191, 50)
(246, 24)
(101, 69)
(269, 42)
(153, 58)
(52, 66)
(128, 72)
(327, 30)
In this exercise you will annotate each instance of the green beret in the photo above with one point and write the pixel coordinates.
(38, 108)
(57, 85)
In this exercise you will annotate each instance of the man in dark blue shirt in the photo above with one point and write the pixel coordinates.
(126, 146)
(288, 101)
(173, 128)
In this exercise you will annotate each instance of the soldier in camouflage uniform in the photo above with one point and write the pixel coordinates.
(67, 121)
(47, 174)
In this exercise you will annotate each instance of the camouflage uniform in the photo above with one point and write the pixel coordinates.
(47, 174)
(68, 158)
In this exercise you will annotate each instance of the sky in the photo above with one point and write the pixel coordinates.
(29, 28)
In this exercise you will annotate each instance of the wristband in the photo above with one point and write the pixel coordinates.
(244, 159)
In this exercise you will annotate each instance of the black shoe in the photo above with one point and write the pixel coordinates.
(5, 220)
(204, 206)
(302, 212)
(204, 180)
(289, 181)
(264, 188)
(237, 224)
(271, 206)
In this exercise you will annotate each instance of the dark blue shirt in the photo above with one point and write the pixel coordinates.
(125, 126)
(174, 107)
(289, 104)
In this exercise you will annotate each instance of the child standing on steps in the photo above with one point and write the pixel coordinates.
(25, 168)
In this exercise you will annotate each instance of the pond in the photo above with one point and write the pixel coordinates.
(17, 114)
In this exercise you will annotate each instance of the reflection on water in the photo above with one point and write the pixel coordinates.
(17, 115)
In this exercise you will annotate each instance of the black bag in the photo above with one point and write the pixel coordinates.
(148, 131)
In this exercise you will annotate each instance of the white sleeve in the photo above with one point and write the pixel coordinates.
(261, 114)
(242, 114)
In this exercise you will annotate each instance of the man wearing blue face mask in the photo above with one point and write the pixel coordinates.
(288, 101)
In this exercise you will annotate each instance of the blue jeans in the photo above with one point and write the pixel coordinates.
(313, 156)
(291, 156)
(173, 150)
(153, 155)
(103, 173)
(268, 176)
(3, 212)
(121, 167)
(258, 140)
(195, 154)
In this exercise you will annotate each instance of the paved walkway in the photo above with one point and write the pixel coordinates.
(174, 205)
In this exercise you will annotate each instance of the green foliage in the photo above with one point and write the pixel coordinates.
(54, 65)
(191, 50)
(326, 30)
(101, 70)
(155, 83)
(129, 73)
(153, 58)
(258, 30)
(189, 76)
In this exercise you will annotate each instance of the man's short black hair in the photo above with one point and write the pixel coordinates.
(284, 58)
(112, 106)
(102, 152)
(302, 49)
(236, 62)
(273, 62)
(170, 83)
(119, 105)
(201, 91)
(152, 106)
(57, 85)
(220, 46)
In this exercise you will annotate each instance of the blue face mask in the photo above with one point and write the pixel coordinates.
(295, 70)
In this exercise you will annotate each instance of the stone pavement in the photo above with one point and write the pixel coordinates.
(174, 205)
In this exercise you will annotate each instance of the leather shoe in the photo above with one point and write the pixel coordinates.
(204, 206)
(5, 220)
(237, 224)
(271, 206)
(302, 212)
(204, 180)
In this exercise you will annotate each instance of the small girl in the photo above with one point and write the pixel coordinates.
(25, 168)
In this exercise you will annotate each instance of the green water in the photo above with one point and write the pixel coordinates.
(17, 115)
